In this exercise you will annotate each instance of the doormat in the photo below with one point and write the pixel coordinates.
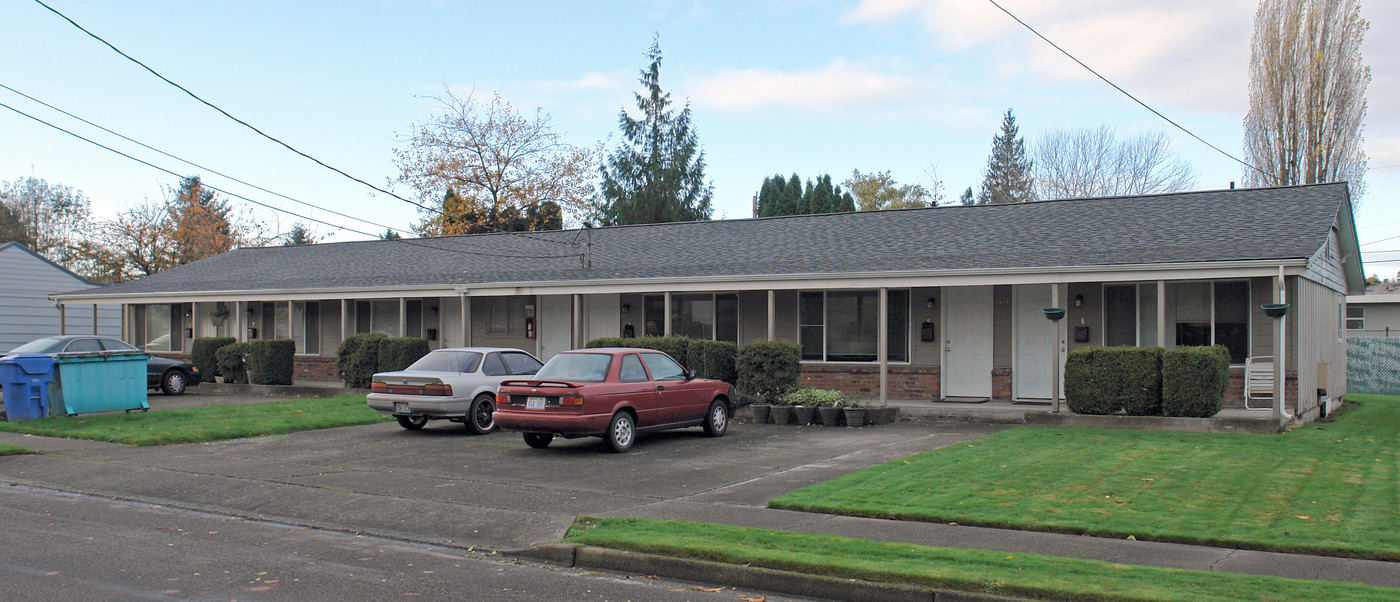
(1030, 402)
(965, 400)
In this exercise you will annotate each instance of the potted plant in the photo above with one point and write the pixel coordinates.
(804, 414)
(854, 413)
(781, 411)
(218, 314)
(759, 407)
(830, 408)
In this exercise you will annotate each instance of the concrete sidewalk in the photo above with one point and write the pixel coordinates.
(443, 486)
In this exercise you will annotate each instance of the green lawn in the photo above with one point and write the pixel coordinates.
(1328, 488)
(12, 450)
(981, 571)
(196, 425)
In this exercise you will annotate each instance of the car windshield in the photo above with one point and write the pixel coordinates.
(44, 345)
(447, 361)
(576, 367)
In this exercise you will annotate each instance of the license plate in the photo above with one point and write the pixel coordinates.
(400, 407)
(534, 403)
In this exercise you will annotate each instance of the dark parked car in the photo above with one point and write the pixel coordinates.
(172, 377)
(611, 393)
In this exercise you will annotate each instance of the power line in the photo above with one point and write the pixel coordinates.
(291, 213)
(1376, 241)
(1125, 92)
(289, 147)
(198, 166)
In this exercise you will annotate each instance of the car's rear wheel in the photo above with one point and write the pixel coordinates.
(622, 432)
(412, 423)
(479, 416)
(537, 440)
(717, 420)
(173, 383)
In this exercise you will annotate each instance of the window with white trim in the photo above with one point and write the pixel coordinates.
(1356, 316)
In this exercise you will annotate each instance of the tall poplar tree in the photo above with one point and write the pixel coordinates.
(1007, 178)
(657, 174)
(1307, 94)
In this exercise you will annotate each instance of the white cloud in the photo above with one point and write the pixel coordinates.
(838, 87)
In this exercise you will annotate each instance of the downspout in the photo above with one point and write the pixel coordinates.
(1283, 348)
(62, 320)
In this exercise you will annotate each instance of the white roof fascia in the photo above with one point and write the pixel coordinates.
(1376, 298)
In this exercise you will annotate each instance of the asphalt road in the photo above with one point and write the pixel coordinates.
(59, 546)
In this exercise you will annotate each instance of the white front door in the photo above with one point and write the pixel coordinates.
(967, 341)
(553, 325)
(1035, 343)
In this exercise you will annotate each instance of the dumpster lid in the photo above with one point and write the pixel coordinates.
(31, 363)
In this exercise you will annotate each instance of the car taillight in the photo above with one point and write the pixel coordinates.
(439, 389)
(442, 389)
(378, 387)
(570, 400)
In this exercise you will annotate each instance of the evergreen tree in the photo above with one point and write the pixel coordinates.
(658, 173)
(202, 221)
(299, 235)
(769, 196)
(390, 234)
(789, 197)
(966, 197)
(791, 203)
(1007, 178)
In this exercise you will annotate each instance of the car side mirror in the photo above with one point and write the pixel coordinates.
(690, 375)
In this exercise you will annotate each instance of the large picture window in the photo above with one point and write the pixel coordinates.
(1213, 313)
(706, 316)
(844, 326)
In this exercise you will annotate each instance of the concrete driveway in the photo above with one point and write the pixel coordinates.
(442, 484)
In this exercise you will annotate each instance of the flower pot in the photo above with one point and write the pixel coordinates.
(803, 414)
(831, 416)
(216, 321)
(855, 416)
(760, 412)
(781, 414)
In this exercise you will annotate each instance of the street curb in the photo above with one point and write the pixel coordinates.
(762, 579)
(277, 390)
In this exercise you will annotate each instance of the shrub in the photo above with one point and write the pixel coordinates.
(815, 397)
(1194, 380)
(233, 362)
(397, 353)
(270, 361)
(1104, 380)
(676, 347)
(202, 354)
(769, 368)
(713, 359)
(357, 359)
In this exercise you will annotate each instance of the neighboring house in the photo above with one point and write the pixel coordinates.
(941, 303)
(1376, 313)
(26, 311)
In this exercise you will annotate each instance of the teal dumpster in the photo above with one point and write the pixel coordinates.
(26, 378)
(101, 382)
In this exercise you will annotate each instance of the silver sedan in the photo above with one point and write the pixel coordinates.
(457, 384)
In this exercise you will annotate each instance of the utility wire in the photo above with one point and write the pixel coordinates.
(289, 147)
(1381, 240)
(198, 166)
(1125, 93)
(278, 209)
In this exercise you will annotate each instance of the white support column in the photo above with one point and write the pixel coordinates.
(666, 328)
(883, 352)
(1055, 352)
(94, 318)
(1162, 314)
(62, 319)
(291, 321)
(772, 315)
(466, 320)
(403, 316)
(575, 321)
(240, 308)
(344, 319)
(1278, 352)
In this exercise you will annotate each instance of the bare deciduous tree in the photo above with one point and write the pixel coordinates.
(494, 160)
(1084, 162)
(1307, 94)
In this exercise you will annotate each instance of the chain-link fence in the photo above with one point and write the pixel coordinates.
(1373, 365)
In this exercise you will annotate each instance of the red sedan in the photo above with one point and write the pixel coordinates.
(611, 393)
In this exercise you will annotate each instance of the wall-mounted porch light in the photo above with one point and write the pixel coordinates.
(1078, 300)
(931, 303)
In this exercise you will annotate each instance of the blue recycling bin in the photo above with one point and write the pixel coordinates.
(26, 379)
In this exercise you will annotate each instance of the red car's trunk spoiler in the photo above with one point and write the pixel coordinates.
(538, 383)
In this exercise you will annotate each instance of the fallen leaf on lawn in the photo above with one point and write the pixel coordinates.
(1130, 537)
(213, 532)
(1303, 517)
(1149, 479)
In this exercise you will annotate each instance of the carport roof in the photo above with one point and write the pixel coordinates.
(1205, 227)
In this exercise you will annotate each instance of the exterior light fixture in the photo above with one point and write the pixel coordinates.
(1078, 300)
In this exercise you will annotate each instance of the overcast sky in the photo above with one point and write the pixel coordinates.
(811, 87)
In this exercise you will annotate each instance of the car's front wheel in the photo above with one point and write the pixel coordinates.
(622, 432)
(479, 416)
(412, 423)
(538, 441)
(717, 420)
(173, 383)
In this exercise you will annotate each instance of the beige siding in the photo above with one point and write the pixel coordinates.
(753, 316)
(1326, 266)
(1090, 314)
(1001, 326)
(330, 327)
(636, 315)
(924, 353)
(1321, 355)
(1261, 327)
(1381, 320)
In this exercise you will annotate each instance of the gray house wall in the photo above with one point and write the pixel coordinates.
(26, 312)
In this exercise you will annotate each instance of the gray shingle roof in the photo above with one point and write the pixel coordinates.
(1210, 226)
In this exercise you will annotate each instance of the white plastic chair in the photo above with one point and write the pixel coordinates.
(1259, 381)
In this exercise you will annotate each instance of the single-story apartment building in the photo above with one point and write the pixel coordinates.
(27, 279)
(937, 303)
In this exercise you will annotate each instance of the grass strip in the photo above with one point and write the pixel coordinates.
(1324, 488)
(13, 450)
(198, 425)
(981, 571)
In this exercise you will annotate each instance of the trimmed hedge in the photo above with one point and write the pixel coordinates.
(270, 361)
(676, 347)
(397, 353)
(233, 362)
(357, 359)
(714, 359)
(1104, 380)
(202, 354)
(769, 369)
(1194, 380)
